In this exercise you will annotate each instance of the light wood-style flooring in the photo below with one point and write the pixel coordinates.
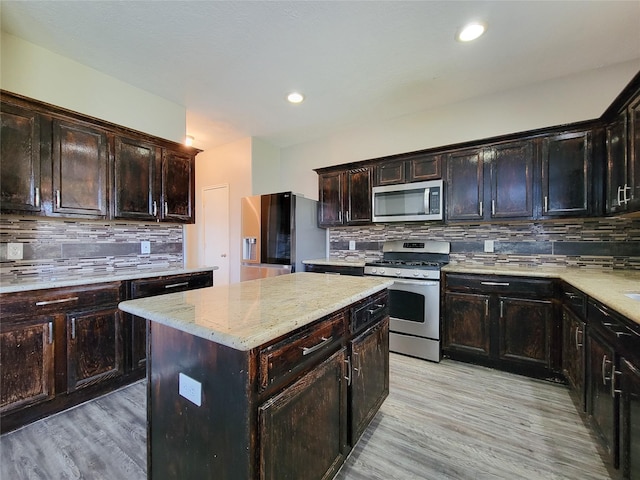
(441, 421)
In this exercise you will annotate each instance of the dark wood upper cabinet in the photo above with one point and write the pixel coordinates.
(345, 197)
(465, 185)
(19, 159)
(566, 174)
(178, 187)
(425, 167)
(634, 155)
(391, 173)
(511, 167)
(79, 178)
(136, 190)
(617, 181)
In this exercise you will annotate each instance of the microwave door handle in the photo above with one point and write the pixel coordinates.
(426, 200)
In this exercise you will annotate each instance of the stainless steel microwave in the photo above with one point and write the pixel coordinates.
(408, 202)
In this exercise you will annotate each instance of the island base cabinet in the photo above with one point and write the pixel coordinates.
(302, 429)
(190, 441)
(630, 421)
(369, 377)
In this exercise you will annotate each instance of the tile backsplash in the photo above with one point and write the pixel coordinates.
(64, 247)
(610, 243)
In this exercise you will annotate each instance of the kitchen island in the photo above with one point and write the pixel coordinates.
(272, 378)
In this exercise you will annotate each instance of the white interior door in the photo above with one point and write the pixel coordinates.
(215, 208)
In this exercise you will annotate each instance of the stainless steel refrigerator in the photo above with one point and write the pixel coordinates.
(279, 231)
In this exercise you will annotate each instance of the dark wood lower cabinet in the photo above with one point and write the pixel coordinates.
(630, 420)
(467, 324)
(573, 354)
(27, 363)
(94, 347)
(302, 429)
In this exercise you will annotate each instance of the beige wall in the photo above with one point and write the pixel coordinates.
(35, 72)
(556, 102)
(265, 167)
(227, 164)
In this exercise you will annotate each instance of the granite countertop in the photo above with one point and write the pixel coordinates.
(337, 262)
(246, 315)
(606, 286)
(44, 282)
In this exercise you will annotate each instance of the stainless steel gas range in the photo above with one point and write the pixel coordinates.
(414, 297)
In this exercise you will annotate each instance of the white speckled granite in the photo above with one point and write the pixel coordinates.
(606, 286)
(336, 262)
(249, 314)
(39, 283)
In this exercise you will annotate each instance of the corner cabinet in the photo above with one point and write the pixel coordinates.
(344, 197)
(60, 163)
(503, 322)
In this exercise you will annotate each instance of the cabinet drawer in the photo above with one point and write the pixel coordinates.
(535, 287)
(40, 302)
(614, 329)
(286, 358)
(575, 300)
(369, 312)
(149, 287)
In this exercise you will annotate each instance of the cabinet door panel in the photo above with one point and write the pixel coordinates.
(565, 174)
(616, 134)
(630, 421)
(330, 203)
(79, 170)
(359, 196)
(634, 155)
(94, 350)
(465, 189)
(425, 168)
(134, 180)
(177, 187)
(467, 326)
(573, 357)
(20, 165)
(26, 365)
(302, 429)
(602, 406)
(370, 376)
(390, 173)
(512, 181)
(525, 331)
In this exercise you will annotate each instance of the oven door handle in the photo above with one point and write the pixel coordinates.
(426, 283)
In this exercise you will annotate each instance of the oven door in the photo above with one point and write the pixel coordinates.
(414, 307)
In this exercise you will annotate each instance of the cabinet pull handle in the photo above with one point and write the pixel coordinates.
(546, 204)
(340, 217)
(578, 332)
(53, 302)
(374, 311)
(627, 199)
(495, 284)
(493, 208)
(605, 379)
(309, 350)
(348, 216)
(348, 377)
(155, 209)
(621, 193)
(486, 307)
(481, 209)
(355, 354)
(37, 195)
(615, 390)
(501, 308)
(176, 285)
(58, 200)
(166, 209)
(50, 333)
(73, 328)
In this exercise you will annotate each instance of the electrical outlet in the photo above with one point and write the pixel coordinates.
(14, 251)
(190, 389)
(488, 246)
(145, 247)
(352, 244)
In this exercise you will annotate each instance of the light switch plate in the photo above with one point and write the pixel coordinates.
(352, 244)
(488, 246)
(145, 247)
(15, 251)
(190, 389)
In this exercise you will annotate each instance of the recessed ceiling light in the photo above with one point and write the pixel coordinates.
(295, 97)
(470, 32)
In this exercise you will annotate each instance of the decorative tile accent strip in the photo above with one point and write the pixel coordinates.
(610, 243)
(65, 247)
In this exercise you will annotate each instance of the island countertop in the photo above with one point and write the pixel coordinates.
(246, 315)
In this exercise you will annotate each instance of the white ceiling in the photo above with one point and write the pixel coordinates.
(231, 63)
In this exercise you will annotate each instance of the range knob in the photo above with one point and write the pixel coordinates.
(398, 273)
(382, 271)
(374, 270)
(416, 274)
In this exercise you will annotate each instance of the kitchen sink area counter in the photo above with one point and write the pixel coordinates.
(607, 286)
(248, 314)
